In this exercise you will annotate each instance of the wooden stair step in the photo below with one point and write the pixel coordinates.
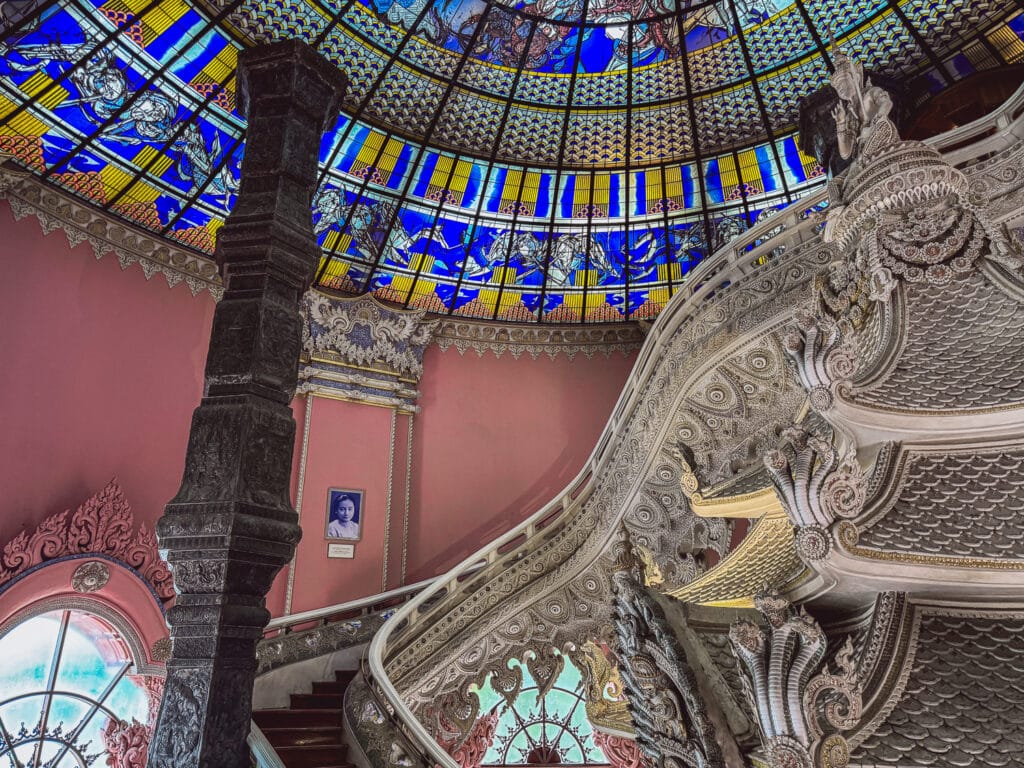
(317, 700)
(315, 756)
(345, 676)
(298, 718)
(302, 737)
(331, 686)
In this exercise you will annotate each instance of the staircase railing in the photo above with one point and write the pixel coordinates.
(762, 244)
(361, 606)
(263, 752)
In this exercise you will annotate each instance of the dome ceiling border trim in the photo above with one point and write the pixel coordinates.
(107, 235)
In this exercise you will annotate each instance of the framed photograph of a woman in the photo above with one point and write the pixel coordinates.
(344, 514)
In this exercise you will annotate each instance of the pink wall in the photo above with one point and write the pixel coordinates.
(348, 448)
(497, 439)
(102, 369)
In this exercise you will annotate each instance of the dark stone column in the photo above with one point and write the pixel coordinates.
(231, 527)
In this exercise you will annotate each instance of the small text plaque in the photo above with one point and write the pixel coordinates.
(341, 550)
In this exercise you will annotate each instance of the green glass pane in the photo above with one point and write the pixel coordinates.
(557, 721)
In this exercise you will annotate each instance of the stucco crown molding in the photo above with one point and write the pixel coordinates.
(536, 340)
(82, 222)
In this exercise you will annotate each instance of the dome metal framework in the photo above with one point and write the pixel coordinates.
(553, 160)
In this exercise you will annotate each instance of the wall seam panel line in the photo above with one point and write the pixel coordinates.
(387, 508)
(408, 491)
(306, 419)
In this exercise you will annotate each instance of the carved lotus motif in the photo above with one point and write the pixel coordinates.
(161, 649)
(812, 543)
(90, 577)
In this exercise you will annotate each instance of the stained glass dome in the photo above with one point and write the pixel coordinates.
(552, 160)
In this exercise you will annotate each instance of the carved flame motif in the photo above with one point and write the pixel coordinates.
(126, 743)
(456, 715)
(621, 752)
(471, 752)
(103, 525)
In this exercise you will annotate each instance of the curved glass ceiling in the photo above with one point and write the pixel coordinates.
(557, 160)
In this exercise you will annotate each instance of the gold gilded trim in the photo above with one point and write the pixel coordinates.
(326, 395)
(336, 360)
(767, 555)
(753, 505)
(605, 702)
(992, 564)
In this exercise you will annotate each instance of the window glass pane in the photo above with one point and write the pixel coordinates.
(65, 676)
(26, 658)
(547, 730)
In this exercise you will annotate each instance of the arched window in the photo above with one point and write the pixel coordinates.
(64, 676)
(543, 730)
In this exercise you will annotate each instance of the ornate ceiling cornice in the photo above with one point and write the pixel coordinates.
(83, 222)
(537, 340)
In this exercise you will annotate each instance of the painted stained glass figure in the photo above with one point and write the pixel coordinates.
(103, 91)
(204, 167)
(378, 234)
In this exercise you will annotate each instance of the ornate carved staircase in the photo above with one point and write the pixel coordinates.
(500, 591)
(543, 579)
(308, 734)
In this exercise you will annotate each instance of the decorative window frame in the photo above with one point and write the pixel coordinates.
(81, 561)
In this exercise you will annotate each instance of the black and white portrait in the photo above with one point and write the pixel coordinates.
(344, 513)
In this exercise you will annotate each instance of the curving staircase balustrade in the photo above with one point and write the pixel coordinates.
(366, 613)
(285, 625)
(765, 243)
(796, 224)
